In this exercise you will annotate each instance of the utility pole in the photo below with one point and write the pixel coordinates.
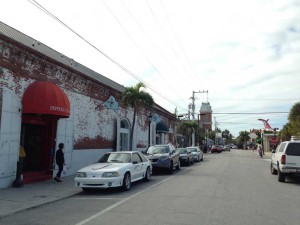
(193, 101)
(193, 112)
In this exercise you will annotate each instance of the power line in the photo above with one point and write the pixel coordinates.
(152, 42)
(43, 9)
(177, 39)
(250, 113)
(254, 99)
(137, 46)
(168, 41)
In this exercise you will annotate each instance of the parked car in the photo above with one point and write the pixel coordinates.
(216, 148)
(286, 159)
(163, 157)
(226, 148)
(197, 153)
(185, 156)
(115, 169)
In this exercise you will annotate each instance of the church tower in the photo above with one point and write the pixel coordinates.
(206, 116)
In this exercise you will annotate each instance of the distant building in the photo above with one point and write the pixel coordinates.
(206, 116)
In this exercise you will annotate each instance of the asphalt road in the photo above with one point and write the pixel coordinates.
(234, 188)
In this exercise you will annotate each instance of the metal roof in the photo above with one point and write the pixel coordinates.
(35, 45)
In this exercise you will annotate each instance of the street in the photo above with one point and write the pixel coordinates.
(233, 188)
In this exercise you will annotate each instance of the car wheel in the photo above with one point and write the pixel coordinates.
(198, 158)
(178, 165)
(147, 175)
(171, 167)
(281, 176)
(273, 171)
(126, 182)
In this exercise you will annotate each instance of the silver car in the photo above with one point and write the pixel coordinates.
(186, 157)
(196, 152)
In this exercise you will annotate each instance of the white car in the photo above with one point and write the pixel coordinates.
(286, 159)
(115, 169)
(196, 152)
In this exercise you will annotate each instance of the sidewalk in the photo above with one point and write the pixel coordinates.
(14, 200)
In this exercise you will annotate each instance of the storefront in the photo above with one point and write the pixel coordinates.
(43, 103)
(47, 98)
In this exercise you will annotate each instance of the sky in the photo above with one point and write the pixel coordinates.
(240, 56)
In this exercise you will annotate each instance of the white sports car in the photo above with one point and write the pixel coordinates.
(115, 169)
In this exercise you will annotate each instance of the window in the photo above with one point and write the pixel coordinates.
(136, 158)
(293, 149)
(124, 135)
(282, 146)
(143, 158)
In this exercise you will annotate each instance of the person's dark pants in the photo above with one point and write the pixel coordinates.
(60, 169)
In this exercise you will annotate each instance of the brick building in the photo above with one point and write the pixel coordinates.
(206, 116)
(47, 98)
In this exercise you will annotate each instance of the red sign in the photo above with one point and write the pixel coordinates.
(274, 140)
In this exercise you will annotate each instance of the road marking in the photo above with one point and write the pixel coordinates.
(125, 200)
(85, 198)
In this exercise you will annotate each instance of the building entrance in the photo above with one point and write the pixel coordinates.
(38, 143)
(33, 145)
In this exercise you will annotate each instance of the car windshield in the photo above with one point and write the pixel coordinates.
(192, 149)
(116, 158)
(158, 150)
(182, 150)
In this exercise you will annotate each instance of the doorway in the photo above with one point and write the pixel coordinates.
(33, 145)
(38, 143)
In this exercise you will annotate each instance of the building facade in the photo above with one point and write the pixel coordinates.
(47, 98)
(206, 116)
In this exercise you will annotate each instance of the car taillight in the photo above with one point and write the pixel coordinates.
(282, 160)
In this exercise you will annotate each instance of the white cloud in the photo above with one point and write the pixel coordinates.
(242, 52)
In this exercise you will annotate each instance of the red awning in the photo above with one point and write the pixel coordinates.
(43, 97)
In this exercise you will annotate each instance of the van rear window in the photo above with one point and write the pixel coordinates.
(293, 149)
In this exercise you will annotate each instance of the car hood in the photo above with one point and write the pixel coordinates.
(155, 156)
(98, 167)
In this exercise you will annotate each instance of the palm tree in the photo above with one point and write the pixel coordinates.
(244, 137)
(187, 128)
(136, 97)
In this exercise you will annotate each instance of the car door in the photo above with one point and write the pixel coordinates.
(174, 155)
(277, 155)
(145, 164)
(137, 167)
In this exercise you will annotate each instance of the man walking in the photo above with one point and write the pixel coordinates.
(60, 161)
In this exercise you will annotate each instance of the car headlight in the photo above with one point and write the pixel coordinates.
(110, 174)
(81, 174)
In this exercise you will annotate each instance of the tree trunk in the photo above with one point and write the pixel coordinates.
(132, 130)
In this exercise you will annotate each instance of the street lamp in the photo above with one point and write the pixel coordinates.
(149, 123)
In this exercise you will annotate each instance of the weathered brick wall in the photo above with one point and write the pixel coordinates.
(94, 124)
